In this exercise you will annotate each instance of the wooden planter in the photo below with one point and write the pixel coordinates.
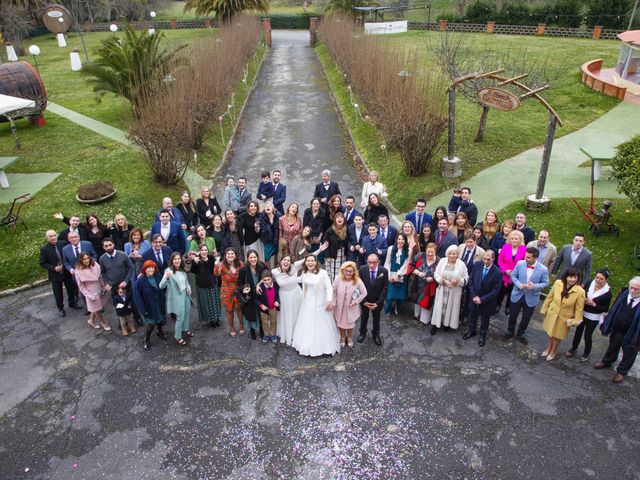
(96, 200)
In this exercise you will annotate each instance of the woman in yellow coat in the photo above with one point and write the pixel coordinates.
(562, 310)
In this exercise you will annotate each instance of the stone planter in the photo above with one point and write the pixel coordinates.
(96, 200)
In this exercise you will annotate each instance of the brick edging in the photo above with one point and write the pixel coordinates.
(22, 288)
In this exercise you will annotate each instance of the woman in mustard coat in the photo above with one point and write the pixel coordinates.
(562, 310)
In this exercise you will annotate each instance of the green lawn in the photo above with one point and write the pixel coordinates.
(175, 11)
(83, 156)
(564, 219)
(507, 133)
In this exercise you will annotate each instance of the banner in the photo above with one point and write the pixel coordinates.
(385, 27)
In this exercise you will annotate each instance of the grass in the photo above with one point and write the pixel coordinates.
(506, 134)
(83, 156)
(71, 90)
(564, 219)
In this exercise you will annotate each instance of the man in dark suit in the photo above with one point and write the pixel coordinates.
(376, 280)
(326, 189)
(171, 232)
(74, 226)
(355, 233)
(158, 253)
(70, 253)
(574, 256)
(386, 230)
(527, 231)
(622, 325)
(245, 194)
(373, 243)
(51, 261)
(444, 238)
(484, 285)
(350, 211)
(419, 217)
(174, 214)
(279, 192)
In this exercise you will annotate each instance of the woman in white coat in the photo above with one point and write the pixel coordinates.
(451, 275)
(315, 331)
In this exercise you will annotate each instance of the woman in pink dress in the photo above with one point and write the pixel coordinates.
(348, 292)
(289, 226)
(511, 253)
(92, 286)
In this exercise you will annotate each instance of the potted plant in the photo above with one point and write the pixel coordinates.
(95, 192)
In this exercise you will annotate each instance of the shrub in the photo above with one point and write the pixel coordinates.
(405, 101)
(291, 22)
(565, 13)
(480, 12)
(626, 169)
(95, 190)
(609, 13)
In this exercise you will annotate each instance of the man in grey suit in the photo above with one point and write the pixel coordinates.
(245, 194)
(575, 256)
(548, 251)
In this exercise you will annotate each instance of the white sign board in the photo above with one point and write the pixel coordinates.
(386, 27)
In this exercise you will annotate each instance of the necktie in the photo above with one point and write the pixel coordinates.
(631, 302)
(384, 234)
(373, 276)
(77, 251)
(467, 256)
(419, 223)
(484, 272)
(159, 258)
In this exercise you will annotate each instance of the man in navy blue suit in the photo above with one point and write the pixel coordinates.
(419, 217)
(350, 211)
(158, 253)
(444, 238)
(529, 277)
(174, 213)
(70, 253)
(484, 286)
(279, 192)
(171, 232)
(386, 230)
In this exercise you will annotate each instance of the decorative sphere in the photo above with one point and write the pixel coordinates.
(61, 20)
(152, 14)
(34, 50)
(113, 27)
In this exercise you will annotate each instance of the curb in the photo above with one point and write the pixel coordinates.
(236, 128)
(23, 288)
(394, 212)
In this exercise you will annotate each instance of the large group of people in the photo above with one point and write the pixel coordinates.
(306, 276)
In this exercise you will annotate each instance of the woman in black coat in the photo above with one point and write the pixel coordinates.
(374, 209)
(249, 276)
(188, 211)
(207, 206)
(150, 300)
(597, 303)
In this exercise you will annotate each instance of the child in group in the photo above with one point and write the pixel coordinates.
(269, 304)
(122, 302)
(265, 189)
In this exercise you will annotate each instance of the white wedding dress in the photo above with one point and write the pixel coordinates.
(315, 331)
(290, 301)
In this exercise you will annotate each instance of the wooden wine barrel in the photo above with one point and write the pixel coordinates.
(20, 79)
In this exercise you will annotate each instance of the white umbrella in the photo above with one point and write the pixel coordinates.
(16, 105)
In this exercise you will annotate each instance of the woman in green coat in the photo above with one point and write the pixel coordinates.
(178, 296)
(200, 238)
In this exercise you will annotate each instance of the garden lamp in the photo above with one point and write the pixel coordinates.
(34, 50)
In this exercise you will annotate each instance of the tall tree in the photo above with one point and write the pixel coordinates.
(132, 67)
(225, 9)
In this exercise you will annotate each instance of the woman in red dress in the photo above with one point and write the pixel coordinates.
(228, 270)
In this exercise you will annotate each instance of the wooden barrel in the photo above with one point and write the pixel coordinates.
(20, 79)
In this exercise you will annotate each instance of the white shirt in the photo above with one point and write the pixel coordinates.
(574, 255)
(530, 272)
(165, 230)
(635, 300)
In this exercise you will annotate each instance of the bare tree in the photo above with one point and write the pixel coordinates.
(458, 57)
(14, 22)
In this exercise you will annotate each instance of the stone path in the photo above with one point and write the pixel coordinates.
(512, 179)
(290, 123)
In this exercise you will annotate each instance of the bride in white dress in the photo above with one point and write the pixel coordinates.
(315, 331)
(286, 276)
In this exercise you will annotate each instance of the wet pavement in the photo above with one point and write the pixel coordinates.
(78, 403)
(83, 404)
(290, 123)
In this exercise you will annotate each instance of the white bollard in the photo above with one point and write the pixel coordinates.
(62, 42)
(152, 31)
(76, 63)
(11, 53)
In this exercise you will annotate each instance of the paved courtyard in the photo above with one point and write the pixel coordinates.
(83, 404)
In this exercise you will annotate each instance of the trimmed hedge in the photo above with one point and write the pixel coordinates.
(291, 22)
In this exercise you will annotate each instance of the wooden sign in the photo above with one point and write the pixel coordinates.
(498, 99)
(56, 18)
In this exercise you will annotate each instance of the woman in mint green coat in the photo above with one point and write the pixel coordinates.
(178, 296)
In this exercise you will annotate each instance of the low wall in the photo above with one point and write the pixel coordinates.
(590, 79)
